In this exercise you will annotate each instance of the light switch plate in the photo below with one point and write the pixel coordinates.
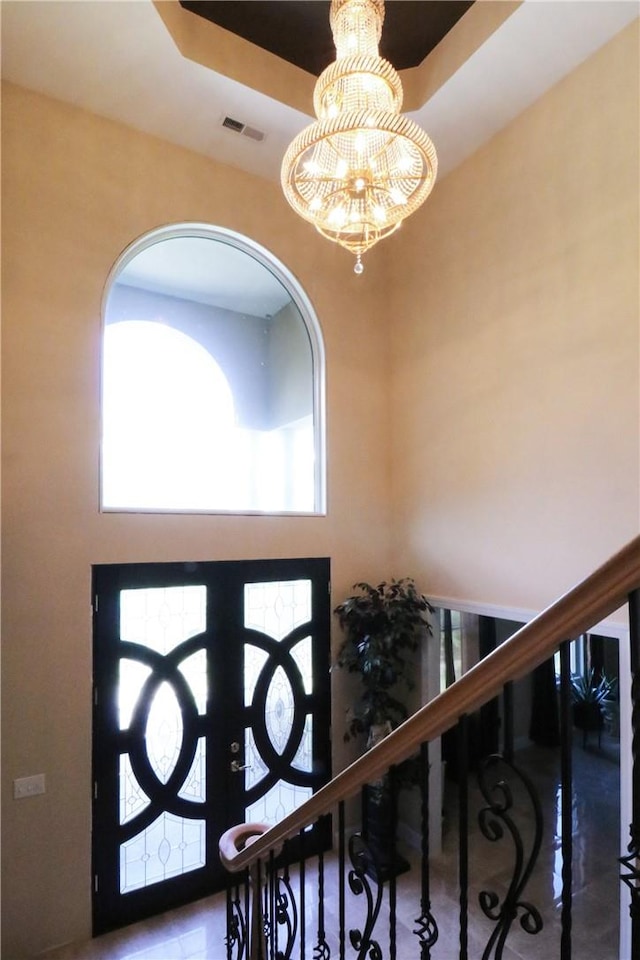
(28, 786)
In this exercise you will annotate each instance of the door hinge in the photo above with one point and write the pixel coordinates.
(95, 790)
(95, 883)
(95, 603)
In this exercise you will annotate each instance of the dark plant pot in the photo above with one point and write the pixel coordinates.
(588, 717)
(379, 825)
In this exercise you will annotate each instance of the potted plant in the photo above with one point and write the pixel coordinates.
(590, 698)
(383, 627)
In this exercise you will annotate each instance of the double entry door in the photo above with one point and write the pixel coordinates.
(211, 708)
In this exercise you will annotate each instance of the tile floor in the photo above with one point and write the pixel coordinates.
(197, 932)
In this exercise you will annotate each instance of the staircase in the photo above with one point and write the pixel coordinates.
(275, 911)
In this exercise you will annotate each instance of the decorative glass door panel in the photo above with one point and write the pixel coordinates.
(278, 678)
(211, 705)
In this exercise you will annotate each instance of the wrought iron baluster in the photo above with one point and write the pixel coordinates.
(265, 915)
(303, 897)
(247, 910)
(342, 922)
(236, 939)
(566, 786)
(392, 914)
(427, 929)
(393, 793)
(321, 950)
(271, 926)
(393, 784)
(231, 937)
(286, 915)
(493, 819)
(363, 877)
(631, 861)
(507, 740)
(463, 832)
(257, 943)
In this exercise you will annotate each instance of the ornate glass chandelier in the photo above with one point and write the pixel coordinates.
(361, 168)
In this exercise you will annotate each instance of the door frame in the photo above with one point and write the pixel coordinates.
(219, 724)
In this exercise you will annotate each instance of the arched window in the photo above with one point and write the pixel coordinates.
(213, 379)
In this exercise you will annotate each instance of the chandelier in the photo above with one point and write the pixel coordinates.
(362, 167)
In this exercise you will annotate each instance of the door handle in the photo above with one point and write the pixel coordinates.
(236, 766)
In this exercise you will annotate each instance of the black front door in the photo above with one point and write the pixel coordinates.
(211, 707)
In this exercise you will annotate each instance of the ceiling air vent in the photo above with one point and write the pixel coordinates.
(239, 127)
(253, 134)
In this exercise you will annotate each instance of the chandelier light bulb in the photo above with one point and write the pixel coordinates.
(361, 167)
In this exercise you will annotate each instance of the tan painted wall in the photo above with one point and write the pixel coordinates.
(76, 191)
(514, 298)
(515, 384)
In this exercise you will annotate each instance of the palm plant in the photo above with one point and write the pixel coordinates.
(591, 699)
(585, 688)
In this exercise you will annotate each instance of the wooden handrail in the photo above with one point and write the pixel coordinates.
(595, 598)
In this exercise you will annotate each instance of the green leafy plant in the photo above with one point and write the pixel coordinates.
(383, 626)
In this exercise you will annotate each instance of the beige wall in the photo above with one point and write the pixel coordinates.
(513, 391)
(515, 350)
(76, 191)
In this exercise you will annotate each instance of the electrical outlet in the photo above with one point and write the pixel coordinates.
(28, 786)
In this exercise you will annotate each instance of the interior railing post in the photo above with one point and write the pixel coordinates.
(463, 832)
(447, 637)
(566, 786)
(631, 862)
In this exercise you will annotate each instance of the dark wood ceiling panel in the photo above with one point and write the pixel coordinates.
(298, 30)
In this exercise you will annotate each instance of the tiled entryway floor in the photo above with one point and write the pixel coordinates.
(197, 932)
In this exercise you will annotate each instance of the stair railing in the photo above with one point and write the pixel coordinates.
(252, 849)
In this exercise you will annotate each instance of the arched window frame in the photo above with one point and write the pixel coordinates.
(307, 315)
